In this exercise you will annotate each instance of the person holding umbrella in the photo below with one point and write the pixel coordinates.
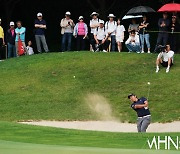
(144, 35)
(175, 27)
(163, 25)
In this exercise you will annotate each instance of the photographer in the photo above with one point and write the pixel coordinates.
(67, 27)
(165, 58)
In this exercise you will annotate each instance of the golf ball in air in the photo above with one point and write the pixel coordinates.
(148, 83)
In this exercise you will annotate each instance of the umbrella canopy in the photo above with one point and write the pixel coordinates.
(140, 10)
(171, 7)
(131, 17)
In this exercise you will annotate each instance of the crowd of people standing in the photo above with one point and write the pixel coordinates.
(103, 36)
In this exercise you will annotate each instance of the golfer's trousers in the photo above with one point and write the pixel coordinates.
(143, 123)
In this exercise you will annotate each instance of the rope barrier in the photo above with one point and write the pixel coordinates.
(162, 32)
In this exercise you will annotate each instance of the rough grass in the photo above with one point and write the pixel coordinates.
(43, 86)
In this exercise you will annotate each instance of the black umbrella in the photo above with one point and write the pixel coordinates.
(140, 10)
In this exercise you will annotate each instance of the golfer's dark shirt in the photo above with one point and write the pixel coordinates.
(142, 111)
(167, 23)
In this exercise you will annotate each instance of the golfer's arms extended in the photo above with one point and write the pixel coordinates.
(141, 105)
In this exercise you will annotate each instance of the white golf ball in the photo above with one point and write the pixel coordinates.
(74, 76)
(148, 83)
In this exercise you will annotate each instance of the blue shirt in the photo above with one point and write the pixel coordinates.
(142, 111)
(40, 31)
(22, 31)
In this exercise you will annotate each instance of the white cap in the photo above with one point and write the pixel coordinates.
(81, 17)
(39, 14)
(111, 16)
(11, 23)
(68, 13)
(101, 21)
(0, 19)
(94, 13)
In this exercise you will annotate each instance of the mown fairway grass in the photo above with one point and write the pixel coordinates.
(24, 139)
(43, 86)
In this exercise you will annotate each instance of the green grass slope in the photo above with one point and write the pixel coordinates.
(43, 86)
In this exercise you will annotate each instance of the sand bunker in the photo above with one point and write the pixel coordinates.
(108, 126)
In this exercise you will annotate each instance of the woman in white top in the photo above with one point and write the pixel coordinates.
(119, 35)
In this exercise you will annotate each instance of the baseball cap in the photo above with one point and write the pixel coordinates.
(129, 96)
(11, 23)
(39, 14)
(68, 13)
(81, 17)
(101, 21)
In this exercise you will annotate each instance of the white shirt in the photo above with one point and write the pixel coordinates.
(166, 55)
(120, 29)
(30, 50)
(101, 33)
(136, 39)
(94, 22)
(111, 27)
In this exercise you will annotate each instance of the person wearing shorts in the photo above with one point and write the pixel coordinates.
(143, 113)
(119, 35)
(165, 58)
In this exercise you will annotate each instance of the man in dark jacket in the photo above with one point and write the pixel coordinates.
(163, 25)
(10, 38)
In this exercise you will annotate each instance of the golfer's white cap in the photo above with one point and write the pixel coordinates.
(111, 16)
(39, 14)
(101, 21)
(11, 23)
(68, 13)
(81, 17)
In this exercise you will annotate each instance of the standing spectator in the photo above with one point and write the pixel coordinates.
(20, 34)
(67, 26)
(10, 38)
(111, 26)
(120, 35)
(101, 37)
(40, 25)
(144, 35)
(2, 42)
(133, 26)
(133, 42)
(165, 58)
(175, 27)
(94, 24)
(80, 33)
(30, 49)
(163, 25)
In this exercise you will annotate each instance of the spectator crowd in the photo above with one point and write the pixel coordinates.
(103, 36)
